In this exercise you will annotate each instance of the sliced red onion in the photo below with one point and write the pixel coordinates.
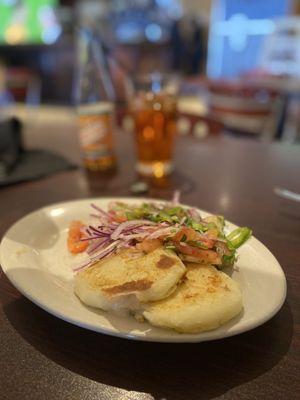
(165, 223)
(82, 265)
(137, 227)
(127, 245)
(194, 214)
(107, 250)
(106, 228)
(86, 263)
(94, 215)
(98, 232)
(97, 245)
(105, 254)
(140, 229)
(134, 236)
(102, 212)
(161, 232)
(176, 197)
(88, 232)
(99, 256)
(129, 224)
(89, 238)
(182, 221)
(143, 229)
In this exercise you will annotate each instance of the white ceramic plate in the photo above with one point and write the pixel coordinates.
(34, 257)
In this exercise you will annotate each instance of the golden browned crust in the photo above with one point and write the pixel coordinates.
(215, 279)
(165, 262)
(141, 284)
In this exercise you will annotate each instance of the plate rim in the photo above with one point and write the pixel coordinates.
(180, 338)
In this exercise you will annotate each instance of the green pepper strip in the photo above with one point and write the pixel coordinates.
(238, 237)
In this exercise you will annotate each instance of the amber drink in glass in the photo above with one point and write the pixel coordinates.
(153, 107)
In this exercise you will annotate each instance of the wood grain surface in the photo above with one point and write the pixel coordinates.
(43, 357)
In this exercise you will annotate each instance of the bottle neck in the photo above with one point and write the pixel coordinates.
(94, 83)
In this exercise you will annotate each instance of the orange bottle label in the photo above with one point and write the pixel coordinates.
(96, 135)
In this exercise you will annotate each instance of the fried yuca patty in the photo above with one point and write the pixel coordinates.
(206, 299)
(123, 282)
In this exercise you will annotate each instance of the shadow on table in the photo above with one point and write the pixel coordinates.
(121, 184)
(177, 371)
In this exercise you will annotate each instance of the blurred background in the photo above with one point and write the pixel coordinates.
(238, 60)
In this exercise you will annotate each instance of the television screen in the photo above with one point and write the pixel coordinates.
(28, 21)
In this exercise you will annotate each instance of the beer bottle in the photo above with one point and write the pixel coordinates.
(95, 104)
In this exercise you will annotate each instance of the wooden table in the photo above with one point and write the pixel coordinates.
(42, 357)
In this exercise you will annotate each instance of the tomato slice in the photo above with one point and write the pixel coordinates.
(75, 245)
(191, 235)
(203, 256)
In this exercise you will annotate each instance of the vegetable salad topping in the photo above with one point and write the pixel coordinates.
(149, 225)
